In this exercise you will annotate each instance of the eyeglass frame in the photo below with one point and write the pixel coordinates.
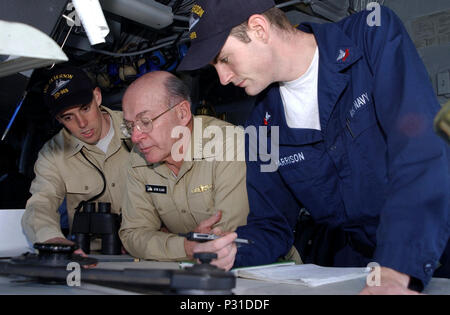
(128, 131)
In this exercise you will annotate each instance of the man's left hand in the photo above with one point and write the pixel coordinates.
(392, 283)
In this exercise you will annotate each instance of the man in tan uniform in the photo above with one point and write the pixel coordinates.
(86, 157)
(172, 185)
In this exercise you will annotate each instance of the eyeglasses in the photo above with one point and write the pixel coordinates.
(144, 124)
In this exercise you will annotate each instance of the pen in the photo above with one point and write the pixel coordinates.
(203, 237)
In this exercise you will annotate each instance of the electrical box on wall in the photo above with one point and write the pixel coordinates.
(443, 83)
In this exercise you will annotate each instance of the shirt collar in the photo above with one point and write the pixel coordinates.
(73, 145)
(337, 52)
(336, 49)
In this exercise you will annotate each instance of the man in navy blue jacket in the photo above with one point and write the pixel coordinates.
(361, 177)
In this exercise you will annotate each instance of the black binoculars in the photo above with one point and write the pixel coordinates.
(89, 224)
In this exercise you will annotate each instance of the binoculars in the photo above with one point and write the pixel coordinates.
(89, 224)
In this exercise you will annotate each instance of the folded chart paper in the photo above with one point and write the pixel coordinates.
(308, 274)
(13, 241)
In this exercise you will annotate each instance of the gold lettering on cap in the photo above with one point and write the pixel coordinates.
(62, 92)
(198, 10)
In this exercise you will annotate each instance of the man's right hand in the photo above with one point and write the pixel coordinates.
(59, 240)
(224, 247)
(64, 241)
(204, 227)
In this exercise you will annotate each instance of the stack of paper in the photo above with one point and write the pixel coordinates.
(13, 241)
(308, 274)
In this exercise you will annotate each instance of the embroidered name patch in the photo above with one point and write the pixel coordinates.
(358, 103)
(156, 189)
(292, 159)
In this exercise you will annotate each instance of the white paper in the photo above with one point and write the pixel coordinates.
(13, 241)
(307, 274)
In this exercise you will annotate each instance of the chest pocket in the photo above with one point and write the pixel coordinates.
(163, 203)
(84, 184)
(359, 119)
(364, 133)
(312, 180)
(366, 147)
(298, 164)
(201, 202)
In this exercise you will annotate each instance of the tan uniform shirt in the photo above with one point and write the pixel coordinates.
(156, 198)
(61, 171)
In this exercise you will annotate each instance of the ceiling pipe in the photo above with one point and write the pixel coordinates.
(146, 12)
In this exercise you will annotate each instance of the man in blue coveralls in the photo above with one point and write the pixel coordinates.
(357, 151)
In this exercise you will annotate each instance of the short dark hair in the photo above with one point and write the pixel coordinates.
(275, 16)
(177, 90)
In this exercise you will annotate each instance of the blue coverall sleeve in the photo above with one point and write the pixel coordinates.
(271, 220)
(414, 222)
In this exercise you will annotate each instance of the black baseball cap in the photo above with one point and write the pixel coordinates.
(210, 25)
(67, 87)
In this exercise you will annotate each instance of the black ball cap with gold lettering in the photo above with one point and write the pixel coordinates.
(210, 25)
(67, 87)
